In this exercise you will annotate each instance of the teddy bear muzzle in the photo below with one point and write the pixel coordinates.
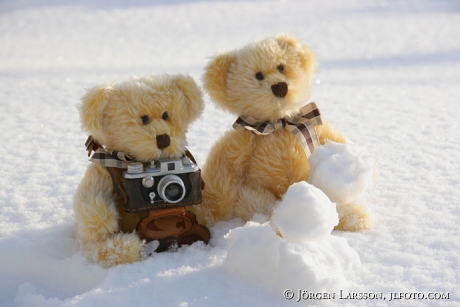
(280, 89)
(163, 141)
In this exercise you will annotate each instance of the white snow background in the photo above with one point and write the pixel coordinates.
(388, 78)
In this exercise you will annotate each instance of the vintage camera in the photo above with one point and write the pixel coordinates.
(166, 183)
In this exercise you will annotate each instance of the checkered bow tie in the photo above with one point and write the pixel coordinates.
(302, 126)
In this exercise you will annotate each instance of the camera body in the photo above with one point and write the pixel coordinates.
(165, 183)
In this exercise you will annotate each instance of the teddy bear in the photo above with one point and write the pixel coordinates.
(266, 85)
(131, 123)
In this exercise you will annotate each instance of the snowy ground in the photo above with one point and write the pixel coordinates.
(389, 79)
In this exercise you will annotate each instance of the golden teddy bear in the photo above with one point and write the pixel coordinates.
(141, 119)
(248, 170)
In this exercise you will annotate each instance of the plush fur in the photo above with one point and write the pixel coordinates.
(245, 173)
(113, 113)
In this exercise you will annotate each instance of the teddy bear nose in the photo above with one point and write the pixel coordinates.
(280, 89)
(163, 141)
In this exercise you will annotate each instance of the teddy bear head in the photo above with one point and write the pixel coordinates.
(144, 117)
(267, 80)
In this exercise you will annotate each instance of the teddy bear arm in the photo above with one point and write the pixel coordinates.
(98, 221)
(119, 248)
(327, 132)
(94, 207)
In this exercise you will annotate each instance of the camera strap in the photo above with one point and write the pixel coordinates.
(189, 155)
(116, 175)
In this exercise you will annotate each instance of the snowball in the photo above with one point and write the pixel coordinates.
(253, 252)
(342, 171)
(305, 213)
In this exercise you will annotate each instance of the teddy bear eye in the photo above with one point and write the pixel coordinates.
(280, 68)
(259, 76)
(145, 119)
(165, 115)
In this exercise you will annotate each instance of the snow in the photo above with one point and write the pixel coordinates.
(388, 79)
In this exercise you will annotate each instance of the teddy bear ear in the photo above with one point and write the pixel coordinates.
(215, 76)
(307, 56)
(193, 95)
(92, 109)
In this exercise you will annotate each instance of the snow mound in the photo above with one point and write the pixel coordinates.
(342, 171)
(295, 249)
(317, 265)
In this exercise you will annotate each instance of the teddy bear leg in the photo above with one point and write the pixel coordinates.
(219, 194)
(214, 208)
(252, 200)
(243, 203)
(352, 217)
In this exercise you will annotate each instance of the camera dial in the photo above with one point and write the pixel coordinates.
(135, 167)
(148, 181)
(171, 189)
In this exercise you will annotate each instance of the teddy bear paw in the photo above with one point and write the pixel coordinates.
(353, 218)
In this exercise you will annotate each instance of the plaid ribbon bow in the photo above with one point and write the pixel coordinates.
(302, 126)
(106, 158)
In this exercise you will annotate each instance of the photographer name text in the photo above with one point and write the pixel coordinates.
(302, 295)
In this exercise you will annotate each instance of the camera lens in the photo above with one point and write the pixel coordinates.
(171, 189)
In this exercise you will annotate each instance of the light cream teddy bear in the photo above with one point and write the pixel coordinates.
(140, 119)
(250, 168)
